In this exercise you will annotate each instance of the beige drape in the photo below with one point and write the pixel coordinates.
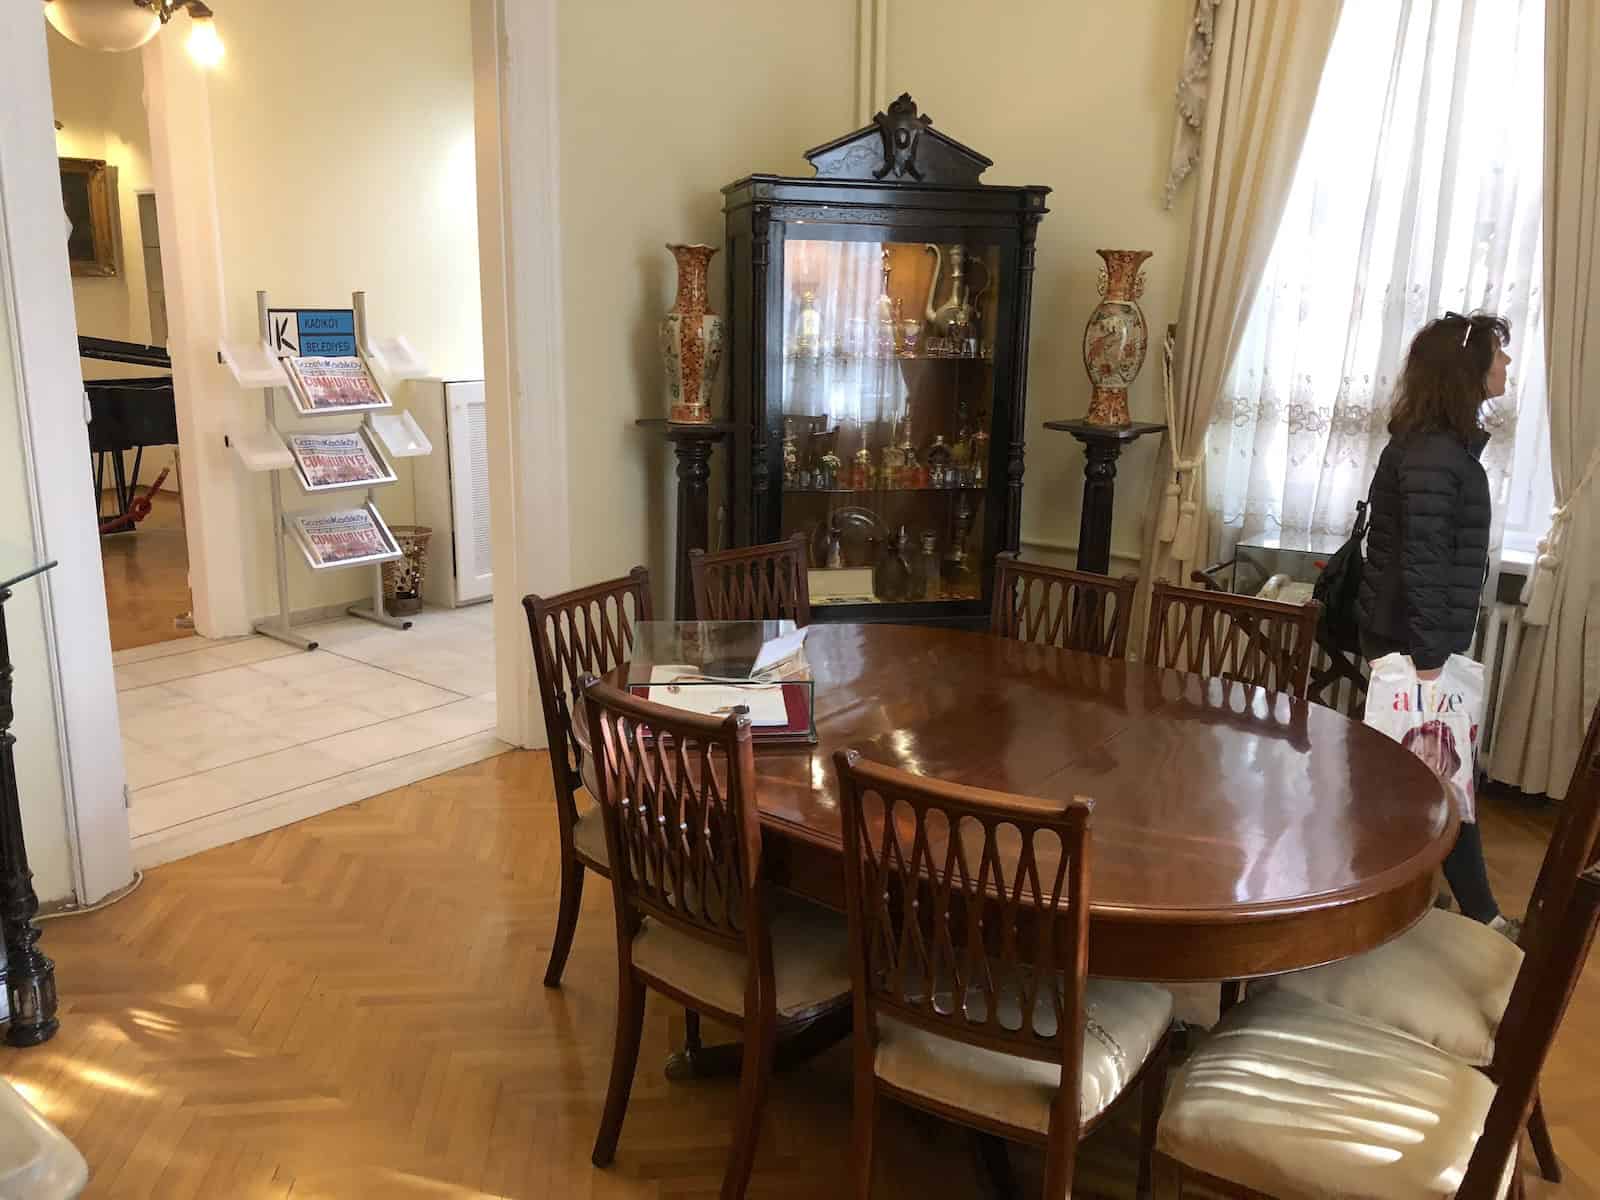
(1266, 62)
(1556, 680)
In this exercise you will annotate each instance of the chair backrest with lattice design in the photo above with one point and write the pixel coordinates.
(677, 793)
(1232, 637)
(969, 915)
(1574, 847)
(587, 631)
(1539, 1000)
(752, 583)
(1052, 606)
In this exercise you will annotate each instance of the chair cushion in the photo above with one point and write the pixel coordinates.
(810, 959)
(589, 834)
(1125, 1022)
(1305, 1101)
(1446, 980)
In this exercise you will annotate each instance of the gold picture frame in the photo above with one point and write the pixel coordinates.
(89, 197)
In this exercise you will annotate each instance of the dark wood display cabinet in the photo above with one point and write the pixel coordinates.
(878, 353)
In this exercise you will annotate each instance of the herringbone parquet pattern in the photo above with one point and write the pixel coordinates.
(352, 1007)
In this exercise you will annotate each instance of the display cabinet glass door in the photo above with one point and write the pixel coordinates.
(888, 401)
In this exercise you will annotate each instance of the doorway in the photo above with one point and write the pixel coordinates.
(114, 255)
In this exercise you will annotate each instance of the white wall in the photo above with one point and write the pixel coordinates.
(343, 142)
(1079, 97)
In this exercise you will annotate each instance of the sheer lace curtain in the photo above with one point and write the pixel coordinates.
(837, 363)
(1419, 191)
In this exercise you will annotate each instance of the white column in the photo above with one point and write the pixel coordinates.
(519, 239)
(87, 816)
(220, 526)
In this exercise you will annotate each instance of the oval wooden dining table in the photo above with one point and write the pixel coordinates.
(1236, 832)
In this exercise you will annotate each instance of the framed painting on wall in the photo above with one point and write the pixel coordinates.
(89, 197)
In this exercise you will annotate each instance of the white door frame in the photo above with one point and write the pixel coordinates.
(37, 288)
(519, 251)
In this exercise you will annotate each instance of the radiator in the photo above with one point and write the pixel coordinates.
(1499, 636)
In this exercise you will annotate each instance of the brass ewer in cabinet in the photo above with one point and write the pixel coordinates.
(957, 312)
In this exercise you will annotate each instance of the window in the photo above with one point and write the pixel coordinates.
(1418, 191)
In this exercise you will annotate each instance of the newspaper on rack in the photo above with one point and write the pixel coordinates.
(332, 459)
(322, 384)
(340, 537)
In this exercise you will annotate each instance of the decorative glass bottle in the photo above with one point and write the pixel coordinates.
(925, 571)
(892, 580)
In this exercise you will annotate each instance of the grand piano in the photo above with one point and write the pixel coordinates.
(126, 414)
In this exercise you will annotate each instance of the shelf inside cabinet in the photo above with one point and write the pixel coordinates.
(798, 491)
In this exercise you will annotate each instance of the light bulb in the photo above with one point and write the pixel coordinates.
(204, 44)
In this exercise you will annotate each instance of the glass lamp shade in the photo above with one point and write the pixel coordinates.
(103, 24)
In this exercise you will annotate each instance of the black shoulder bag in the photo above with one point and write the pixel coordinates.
(1339, 589)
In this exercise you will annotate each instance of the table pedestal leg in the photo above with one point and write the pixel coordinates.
(799, 1041)
(30, 976)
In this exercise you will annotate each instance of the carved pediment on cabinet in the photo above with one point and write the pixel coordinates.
(900, 146)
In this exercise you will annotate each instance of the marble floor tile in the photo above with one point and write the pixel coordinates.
(146, 765)
(165, 805)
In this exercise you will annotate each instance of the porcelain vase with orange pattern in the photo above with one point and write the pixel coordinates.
(1116, 338)
(691, 340)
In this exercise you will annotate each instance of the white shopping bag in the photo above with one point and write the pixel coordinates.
(1436, 719)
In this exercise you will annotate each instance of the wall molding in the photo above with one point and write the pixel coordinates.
(872, 58)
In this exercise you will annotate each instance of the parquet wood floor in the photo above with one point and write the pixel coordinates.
(147, 575)
(352, 1007)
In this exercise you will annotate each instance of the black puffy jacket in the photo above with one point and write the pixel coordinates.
(1427, 549)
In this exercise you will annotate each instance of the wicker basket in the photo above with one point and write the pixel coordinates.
(403, 577)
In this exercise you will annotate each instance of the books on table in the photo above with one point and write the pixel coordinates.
(344, 538)
(323, 384)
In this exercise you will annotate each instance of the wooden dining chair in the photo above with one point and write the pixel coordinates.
(587, 631)
(969, 944)
(1448, 979)
(1260, 642)
(752, 583)
(1292, 1098)
(1052, 606)
(695, 920)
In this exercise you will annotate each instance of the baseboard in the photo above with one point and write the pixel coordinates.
(274, 812)
(1056, 546)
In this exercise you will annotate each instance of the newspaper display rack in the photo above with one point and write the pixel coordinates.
(327, 376)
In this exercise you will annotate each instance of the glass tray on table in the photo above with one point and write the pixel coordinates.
(713, 668)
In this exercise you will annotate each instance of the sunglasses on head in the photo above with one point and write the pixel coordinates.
(1467, 336)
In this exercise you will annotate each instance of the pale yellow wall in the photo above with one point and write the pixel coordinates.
(1078, 97)
(38, 756)
(343, 136)
(660, 106)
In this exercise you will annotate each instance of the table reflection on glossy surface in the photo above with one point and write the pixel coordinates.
(1236, 832)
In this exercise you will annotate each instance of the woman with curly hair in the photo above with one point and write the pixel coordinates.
(1428, 539)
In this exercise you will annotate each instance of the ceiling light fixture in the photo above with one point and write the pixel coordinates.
(117, 25)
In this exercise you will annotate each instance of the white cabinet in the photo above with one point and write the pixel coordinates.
(452, 487)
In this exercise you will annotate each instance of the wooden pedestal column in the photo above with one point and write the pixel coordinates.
(1103, 444)
(694, 444)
